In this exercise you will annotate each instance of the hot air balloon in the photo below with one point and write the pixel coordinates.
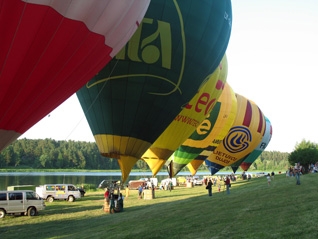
(208, 135)
(260, 148)
(245, 134)
(187, 120)
(138, 94)
(51, 48)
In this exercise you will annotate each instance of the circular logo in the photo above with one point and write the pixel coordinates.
(238, 139)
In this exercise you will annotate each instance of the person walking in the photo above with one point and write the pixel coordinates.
(209, 187)
(268, 179)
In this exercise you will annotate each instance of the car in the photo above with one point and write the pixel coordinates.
(20, 202)
(197, 181)
(51, 192)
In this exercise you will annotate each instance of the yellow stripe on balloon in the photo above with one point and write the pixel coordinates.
(224, 121)
(188, 119)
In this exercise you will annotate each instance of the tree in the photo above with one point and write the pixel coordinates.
(305, 153)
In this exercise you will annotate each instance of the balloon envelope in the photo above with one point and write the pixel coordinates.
(245, 134)
(138, 94)
(260, 148)
(209, 134)
(187, 120)
(51, 48)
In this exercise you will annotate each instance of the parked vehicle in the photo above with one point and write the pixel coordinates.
(197, 180)
(51, 192)
(134, 184)
(23, 202)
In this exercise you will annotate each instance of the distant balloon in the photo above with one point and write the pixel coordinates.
(260, 148)
(51, 48)
(187, 120)
(136, 96)
(243, 137)
(208, 135)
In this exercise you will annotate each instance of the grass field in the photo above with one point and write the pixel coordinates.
(252, 210)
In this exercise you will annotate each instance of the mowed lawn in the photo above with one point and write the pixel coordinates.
(252, 210)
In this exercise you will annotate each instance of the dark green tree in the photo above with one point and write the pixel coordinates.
(305, 153)
(305, 156)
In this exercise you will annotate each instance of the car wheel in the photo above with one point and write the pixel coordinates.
(50, 199)
(2, 213)
(31, 212)
(71, 199)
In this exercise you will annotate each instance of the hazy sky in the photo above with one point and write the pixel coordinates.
(272, 60)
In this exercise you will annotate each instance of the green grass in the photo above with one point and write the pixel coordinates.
(252, 210)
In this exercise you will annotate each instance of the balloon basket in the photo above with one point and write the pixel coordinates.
(189, 184)
(106, 206)
(149, 194)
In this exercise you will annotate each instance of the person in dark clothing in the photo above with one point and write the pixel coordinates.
(209, 187)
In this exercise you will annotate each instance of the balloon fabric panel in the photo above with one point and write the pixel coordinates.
(245, 134)
(188, 119)
(49, 49)
(209, 134)
(158, 71)
(248, 161)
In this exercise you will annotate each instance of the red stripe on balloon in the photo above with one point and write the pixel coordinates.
(261, 121)
(248, 115)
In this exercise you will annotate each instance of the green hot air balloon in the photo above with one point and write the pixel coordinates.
(138, 94)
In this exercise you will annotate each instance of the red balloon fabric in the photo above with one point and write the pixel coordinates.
(50, 48)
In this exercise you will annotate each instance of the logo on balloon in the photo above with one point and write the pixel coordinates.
(238, 139)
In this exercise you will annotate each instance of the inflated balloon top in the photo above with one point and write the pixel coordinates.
(242, 138)
(51, 48)
(249, 160)
(139, 93)
(208, 135)
(188, 119)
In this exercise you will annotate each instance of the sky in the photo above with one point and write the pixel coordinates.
(272, 60)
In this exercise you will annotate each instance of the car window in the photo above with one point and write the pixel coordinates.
(15, 196)
(50, 188)
(3, 196)
(30, 196)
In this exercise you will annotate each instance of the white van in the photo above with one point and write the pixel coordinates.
(51, 192)
(24, 202)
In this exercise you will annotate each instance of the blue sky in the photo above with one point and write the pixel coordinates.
(272, 60)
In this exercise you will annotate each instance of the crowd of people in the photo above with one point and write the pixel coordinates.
(113, 200)
(219, 181)
(296, 171)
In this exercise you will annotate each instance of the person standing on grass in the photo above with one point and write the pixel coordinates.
(268, 179)
(227, 183)
(297, 173)
(106, 195)
(140, 189)
(111, 202)
(127, 191)
(219, 185)
(209, 187)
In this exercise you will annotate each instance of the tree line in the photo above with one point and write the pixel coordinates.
(53, 154)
